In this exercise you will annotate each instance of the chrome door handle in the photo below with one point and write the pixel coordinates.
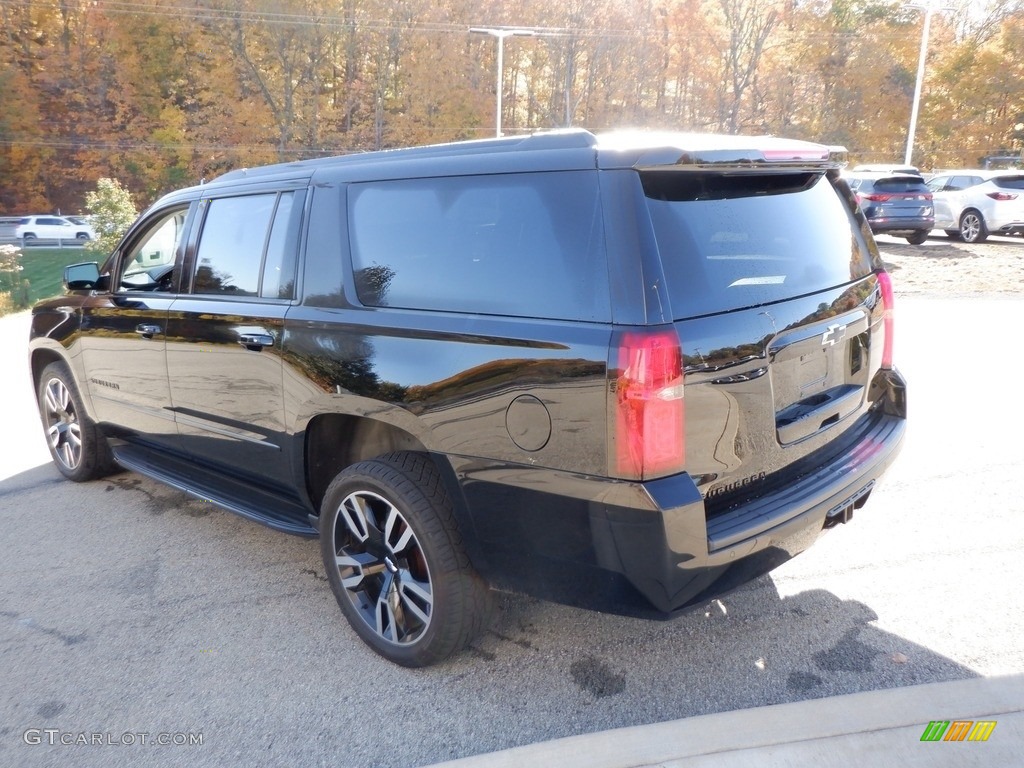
(147, 331)
(255, 340)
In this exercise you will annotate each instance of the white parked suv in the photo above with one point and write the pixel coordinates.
(52, 228)
(971, 205)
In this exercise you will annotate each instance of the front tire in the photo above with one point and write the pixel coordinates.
(918, 237)
(972, 227)
(395, 560)
(78, 448)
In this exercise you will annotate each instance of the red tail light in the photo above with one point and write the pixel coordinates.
(885, 286)
(648, 405)
(1001, 196)
(878, 197)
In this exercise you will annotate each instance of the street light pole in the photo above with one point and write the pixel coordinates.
(928, 11)
(501, 34)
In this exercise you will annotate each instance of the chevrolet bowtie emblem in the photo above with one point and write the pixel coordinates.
(832, 335)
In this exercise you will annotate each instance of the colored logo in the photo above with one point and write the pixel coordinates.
(958, 730)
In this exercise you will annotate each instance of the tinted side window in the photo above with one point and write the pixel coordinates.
(279, 264)
(527, 244)
(247, 243)
(957, 183)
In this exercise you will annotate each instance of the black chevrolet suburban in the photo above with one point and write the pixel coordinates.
(626, 372)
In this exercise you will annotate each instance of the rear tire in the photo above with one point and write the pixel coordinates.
(918, 237)
(78, 448)
(395, 561)
(972, 227)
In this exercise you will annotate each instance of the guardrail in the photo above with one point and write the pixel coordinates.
(40, 242)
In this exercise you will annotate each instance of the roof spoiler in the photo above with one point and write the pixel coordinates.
(680, 151)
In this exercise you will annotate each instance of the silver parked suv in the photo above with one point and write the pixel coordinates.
(971, 205)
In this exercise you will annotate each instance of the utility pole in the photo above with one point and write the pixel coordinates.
(501, 33)
(929, 10)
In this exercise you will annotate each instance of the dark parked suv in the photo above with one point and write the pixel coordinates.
(608, 371)
(895, 203)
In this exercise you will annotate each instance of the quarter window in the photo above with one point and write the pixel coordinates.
(529, 245)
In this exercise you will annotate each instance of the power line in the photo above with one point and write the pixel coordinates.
(337, 23)
(322, 21)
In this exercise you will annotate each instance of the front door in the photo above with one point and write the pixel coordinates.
(124, 332)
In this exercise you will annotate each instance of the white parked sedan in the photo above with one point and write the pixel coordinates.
(52, 228)
(972, 205)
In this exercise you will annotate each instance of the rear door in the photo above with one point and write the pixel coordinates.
(956, 195)
(772, 287)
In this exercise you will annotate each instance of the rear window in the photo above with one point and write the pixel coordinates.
(896, 186)
(734, 241)
(1010, 182)
(529, 245)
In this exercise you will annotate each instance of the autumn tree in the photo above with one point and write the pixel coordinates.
(111, 212)
(160, 94)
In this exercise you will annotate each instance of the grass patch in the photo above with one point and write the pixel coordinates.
(44, 268)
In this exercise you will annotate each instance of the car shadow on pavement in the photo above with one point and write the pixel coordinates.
(752, 647)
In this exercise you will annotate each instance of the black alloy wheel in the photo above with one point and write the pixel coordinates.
(76, 445)
(395, 561)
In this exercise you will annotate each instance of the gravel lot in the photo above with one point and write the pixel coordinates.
(945, 267)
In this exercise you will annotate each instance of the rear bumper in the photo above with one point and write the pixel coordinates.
(649, 548)
(755, 537)
(1011, 228)
(888, 226)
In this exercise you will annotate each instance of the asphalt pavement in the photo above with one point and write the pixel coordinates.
(128, 611)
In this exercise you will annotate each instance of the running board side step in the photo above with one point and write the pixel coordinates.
(262, 506)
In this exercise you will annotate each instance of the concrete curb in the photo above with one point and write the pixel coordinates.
(876, 728)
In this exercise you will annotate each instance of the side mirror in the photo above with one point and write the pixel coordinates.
(81, 277)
